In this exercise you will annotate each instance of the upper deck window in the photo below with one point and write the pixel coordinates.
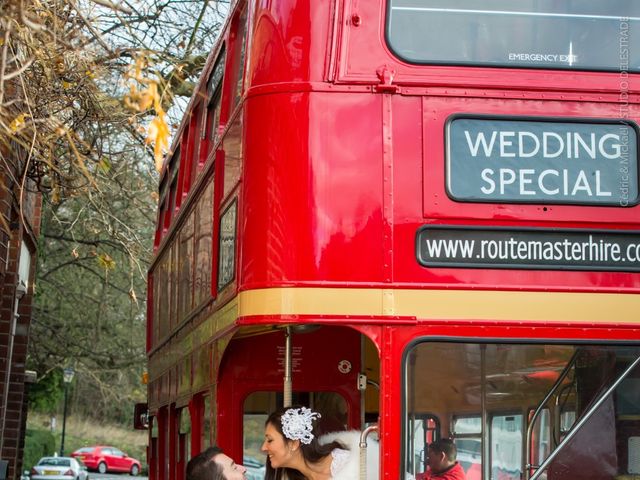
(214, 93)
(578, 35)
(174, 168)
(239, 58)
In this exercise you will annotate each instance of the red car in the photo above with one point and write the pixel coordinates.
(107, 459)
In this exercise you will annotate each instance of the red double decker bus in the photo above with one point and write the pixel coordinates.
(418, 215)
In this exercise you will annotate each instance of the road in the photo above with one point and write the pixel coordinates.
(113, 476)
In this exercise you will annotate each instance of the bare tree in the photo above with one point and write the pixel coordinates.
(90, 90)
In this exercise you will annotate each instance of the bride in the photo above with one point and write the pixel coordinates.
(294, 451)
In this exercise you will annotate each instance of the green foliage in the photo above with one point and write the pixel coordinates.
(89, 307)
(46, 395)
(37, 444)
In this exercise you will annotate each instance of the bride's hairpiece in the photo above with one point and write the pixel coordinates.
(296, 424)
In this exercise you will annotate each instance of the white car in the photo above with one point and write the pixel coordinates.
(59, 468)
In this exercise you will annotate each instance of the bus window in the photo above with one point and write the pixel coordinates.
(211, 131)
(174, 168)
(628, 398)
(467, 434)
(183, 452)
(206, 422)
(214, 112)
(203, 247)
(239, 58)
(432, 431)
(561, 35)
(257, 407)
(162, 208)
(227, 246)
(152, 457)
(422, 431)
(185, 267)
(567, 419)
(541, 437)
(483, 395)
(506, 446)
(467, 426)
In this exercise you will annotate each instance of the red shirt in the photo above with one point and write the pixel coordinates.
(454, 472)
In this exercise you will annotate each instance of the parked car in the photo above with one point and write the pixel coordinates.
(59, 468)
(107, 459)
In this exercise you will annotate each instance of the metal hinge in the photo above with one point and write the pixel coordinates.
(386, 74)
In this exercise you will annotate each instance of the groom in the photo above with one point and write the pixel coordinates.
(212, 464)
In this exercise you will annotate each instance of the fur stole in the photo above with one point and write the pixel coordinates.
(350, 470)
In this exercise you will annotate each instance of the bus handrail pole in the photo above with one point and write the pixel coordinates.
(539, 409)
(584, 419)
(288, 353)
(363, 449)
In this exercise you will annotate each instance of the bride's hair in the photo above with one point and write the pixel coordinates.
(312, 452)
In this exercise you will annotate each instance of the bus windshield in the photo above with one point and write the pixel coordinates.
(509, 406)
(578, 35)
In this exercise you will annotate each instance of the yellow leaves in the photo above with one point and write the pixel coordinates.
(106, 262)
(143, 96)
(133, 296)
(140, 65)
(55, 194)
(18, 123)
(158, 134)
(58, 65)
(104, 164)
(142, 100)
(150, 97)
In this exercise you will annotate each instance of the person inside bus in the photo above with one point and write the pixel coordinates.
(295, 452)
(212, 464)
(441, 458)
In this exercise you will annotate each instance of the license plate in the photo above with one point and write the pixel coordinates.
(51, 472)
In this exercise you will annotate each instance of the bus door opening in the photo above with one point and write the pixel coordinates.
(334, 370)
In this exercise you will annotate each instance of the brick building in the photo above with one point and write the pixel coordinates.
(20, 210)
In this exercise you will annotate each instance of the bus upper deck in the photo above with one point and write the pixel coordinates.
(425, 215)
